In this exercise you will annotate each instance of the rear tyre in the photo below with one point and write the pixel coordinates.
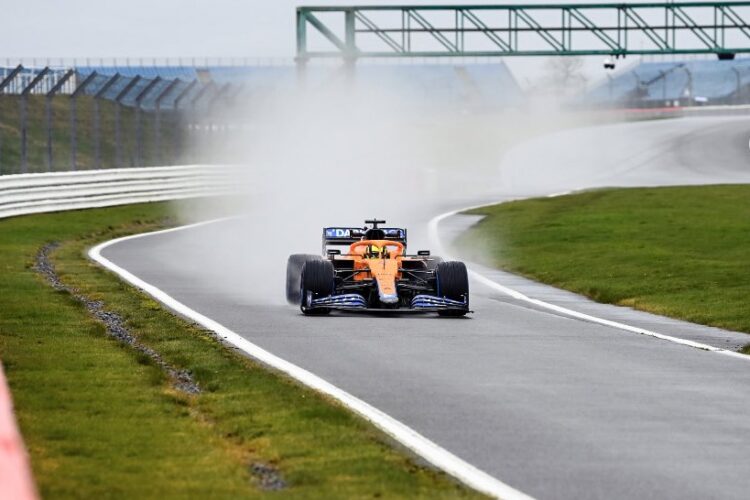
(294, 275)
(317, 281)
(453, 283)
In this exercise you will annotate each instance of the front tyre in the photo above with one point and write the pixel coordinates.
(432, 262)
(294, 275)
(317, 281)
(453, 283)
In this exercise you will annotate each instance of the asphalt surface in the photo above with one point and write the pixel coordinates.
(553, 406)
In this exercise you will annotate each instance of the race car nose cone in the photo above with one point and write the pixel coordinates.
(384, 271)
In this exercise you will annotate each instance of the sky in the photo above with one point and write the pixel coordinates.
(178, 28)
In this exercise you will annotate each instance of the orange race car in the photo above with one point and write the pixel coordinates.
(375, 274)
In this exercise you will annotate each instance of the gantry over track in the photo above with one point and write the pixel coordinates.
(525, 30)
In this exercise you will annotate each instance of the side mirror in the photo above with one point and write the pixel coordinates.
(332, 251)
(423, 253)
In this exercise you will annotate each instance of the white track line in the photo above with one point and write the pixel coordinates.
(437, 244)
(437, 456)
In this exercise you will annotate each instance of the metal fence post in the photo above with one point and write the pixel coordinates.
(24, 102)
(638, 85)
(3, 84)
(738, 79)
(118, 107)
(73, 138)
(211, 112)
(690, 98)
(23, 111)
(178, 142)
(48, 112)
(74, 119)
(157, 117)
(139, 119)
(194, 115)
(233, 101)
(97, 119)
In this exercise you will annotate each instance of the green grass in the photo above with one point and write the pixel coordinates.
(682, 252)
(100, 420)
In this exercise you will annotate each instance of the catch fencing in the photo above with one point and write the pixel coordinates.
(693, 83)
(57, 119)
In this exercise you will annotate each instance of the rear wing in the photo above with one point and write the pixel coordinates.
(348, 235)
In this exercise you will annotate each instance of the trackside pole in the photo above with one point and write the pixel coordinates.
(74, 118)
(25, 117)
(3, 84)
(48, 113)
(139, 119)
(97, 119)
(118, 120)
(157, 118)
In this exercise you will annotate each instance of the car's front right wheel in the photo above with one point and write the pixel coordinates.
(453, 283)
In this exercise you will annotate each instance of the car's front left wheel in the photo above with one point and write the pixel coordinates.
(317, 281)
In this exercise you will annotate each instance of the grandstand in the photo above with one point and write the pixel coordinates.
(677, 83)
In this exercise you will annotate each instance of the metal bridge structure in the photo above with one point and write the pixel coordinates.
(621, 29)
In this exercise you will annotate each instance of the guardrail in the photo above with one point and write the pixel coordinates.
(50, 192)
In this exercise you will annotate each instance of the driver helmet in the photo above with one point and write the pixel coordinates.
(374, 234)
(375, 251)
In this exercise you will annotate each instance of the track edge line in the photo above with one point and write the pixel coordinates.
(432, 229)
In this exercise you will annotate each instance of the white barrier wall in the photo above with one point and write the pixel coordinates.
(51, 192)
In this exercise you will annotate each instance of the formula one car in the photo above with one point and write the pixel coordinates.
(375, 274)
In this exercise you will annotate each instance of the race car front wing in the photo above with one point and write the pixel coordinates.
(354, 301)
(343, 301)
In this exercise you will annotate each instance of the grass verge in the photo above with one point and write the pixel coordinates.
(675, 251)
(101, 419)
